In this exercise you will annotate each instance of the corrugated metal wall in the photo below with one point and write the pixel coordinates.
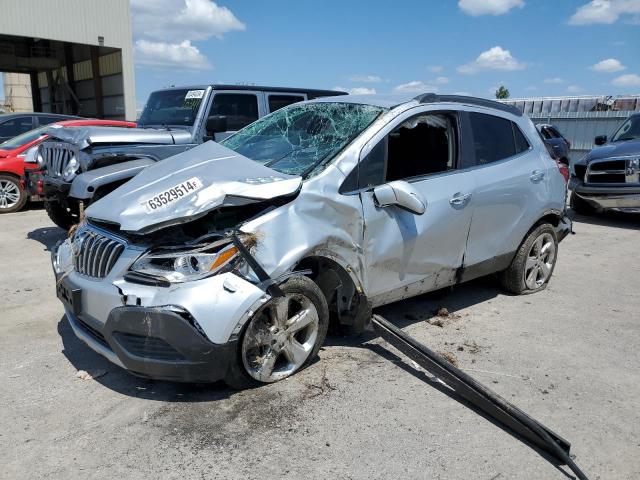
(580, 128)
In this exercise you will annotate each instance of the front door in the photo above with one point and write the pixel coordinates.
(407, 254)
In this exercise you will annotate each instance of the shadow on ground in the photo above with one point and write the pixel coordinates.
(611, 219)
(47, 236)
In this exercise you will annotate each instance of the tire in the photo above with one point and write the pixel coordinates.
(59, 215)
(532, 267)
(12, 196)
(581, 206)
(274, 360)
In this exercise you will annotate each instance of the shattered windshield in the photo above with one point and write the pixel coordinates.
(299, 139)
(177, 107)
(630, 130)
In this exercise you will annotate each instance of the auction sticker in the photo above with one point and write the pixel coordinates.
(170, 195)
(194, 94)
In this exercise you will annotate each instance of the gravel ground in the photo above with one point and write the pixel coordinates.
(569, 356)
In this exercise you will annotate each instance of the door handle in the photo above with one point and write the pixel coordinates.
(460, 200)
(536, 176)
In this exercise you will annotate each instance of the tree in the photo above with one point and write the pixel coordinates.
(502, 92)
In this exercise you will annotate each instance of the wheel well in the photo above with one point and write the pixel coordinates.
(552, 218)
(347, 304)
(10, 174)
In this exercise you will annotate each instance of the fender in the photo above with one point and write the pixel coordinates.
(84, 186)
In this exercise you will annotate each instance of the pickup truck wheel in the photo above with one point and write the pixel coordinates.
(59, 215)
(533, 265)
(581, 206)
(282, 337)
(12, 195)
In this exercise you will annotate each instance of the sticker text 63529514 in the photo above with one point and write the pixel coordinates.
(170, 195)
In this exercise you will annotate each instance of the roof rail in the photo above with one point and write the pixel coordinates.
(481, 102)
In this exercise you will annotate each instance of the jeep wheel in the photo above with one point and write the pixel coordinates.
(282, 337)
(59, 215)
(533, 265)
(12, 195)
(581, 206)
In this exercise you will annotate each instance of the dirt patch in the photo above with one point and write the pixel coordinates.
(449, 357)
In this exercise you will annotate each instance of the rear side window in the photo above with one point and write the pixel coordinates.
(495, 138)
(276, 102)
(240, 109)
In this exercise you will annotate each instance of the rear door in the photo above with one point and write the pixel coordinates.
(407, 254)
(509, 192)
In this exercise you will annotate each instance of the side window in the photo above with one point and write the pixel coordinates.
(42, 120)
(16, 126)
(522, 145)
(241, 109)
(278, 101)
(493, 138)
(422, 145)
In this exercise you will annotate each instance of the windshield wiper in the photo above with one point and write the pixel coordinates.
(627, 138)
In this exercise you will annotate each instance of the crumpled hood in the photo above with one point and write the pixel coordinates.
(87, 136)
(610, 150)
(188, 185)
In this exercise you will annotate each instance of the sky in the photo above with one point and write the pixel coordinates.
(533, 47)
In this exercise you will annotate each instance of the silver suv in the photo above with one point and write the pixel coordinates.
(229, 260)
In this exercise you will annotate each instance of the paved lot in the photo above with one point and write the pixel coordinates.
(569, 356)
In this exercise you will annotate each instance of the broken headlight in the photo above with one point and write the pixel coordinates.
(183, 265)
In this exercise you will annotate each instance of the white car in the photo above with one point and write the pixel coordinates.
(227, 261)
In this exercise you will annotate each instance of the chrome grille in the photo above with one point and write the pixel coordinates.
(614, 170)
(56, 155)
(94, 254)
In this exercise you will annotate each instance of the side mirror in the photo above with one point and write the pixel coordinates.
(600, 140)
(216, 124)
(401, 194)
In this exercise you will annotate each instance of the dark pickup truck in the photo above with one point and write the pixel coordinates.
(608, 177)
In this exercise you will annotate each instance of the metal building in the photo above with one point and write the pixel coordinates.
(78, 54)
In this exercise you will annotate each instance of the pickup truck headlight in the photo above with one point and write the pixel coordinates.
(71, 169)
(182, 265)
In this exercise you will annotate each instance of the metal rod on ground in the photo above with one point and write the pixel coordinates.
(480, 396)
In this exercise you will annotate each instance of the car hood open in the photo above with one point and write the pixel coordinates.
(188, 185)
(84, 137)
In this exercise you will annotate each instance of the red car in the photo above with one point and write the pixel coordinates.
(13, 194)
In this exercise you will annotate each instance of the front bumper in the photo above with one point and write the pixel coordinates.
(186, 332)
(623, 197)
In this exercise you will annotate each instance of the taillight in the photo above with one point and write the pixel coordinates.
(564, 170)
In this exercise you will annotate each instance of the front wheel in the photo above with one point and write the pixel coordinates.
(60, 215)
(282, 337)
(533, 265)
(12, 195)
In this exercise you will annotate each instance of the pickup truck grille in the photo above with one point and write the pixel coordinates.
(56, 155)
(618, 170)
(94, 254)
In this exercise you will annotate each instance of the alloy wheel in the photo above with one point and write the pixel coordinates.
(280, 338)
(540, 261)
(9, 194)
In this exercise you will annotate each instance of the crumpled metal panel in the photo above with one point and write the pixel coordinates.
(86, 136)
(226, 178)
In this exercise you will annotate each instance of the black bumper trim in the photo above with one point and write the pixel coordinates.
(159, 343)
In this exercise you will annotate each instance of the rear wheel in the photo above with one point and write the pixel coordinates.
(533, 265)
(581, 206)
(12, 195)
(282, 337)
(60, 215)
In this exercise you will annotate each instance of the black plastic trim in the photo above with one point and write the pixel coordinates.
(480, 102)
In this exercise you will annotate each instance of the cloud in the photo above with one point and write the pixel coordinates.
(435, 68)
(495, 58)
(531, 88)
(178, 20)
(488, 7)
(357, 90)
(415, 86)
(554, 80)
(441, 80)
(169, 55)
(604, 11)
(574, 89)
(608, 66)
(628, 80)
(365, 78)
